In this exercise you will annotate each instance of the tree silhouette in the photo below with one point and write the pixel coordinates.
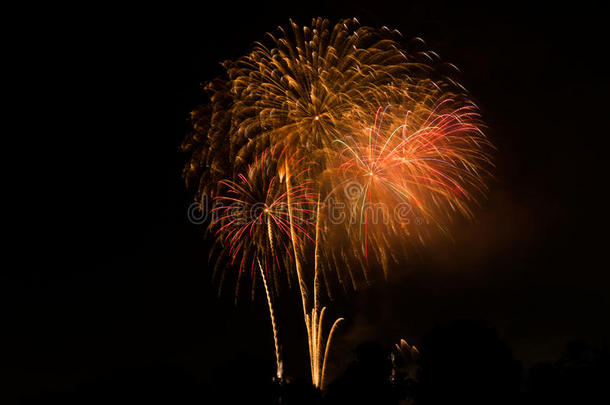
(366, 380)
(466, 362)
(580, 376)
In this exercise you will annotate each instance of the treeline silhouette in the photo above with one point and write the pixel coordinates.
(461, 363)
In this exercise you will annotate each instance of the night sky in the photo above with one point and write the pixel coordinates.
(116, 280)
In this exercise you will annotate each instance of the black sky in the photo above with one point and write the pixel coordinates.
(116, 278)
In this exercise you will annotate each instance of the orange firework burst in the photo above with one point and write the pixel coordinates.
(406, 170)
(297, 91)
(293, 90)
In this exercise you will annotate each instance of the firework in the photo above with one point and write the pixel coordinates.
(207, 143)
(251, 218)
(294, 90)
(404, 361)
(297, 91)
(405, 171)
(380, 126)
(253, 225)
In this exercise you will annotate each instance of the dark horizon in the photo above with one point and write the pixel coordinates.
(122, 282)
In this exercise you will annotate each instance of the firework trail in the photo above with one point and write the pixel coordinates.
(278, 361)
